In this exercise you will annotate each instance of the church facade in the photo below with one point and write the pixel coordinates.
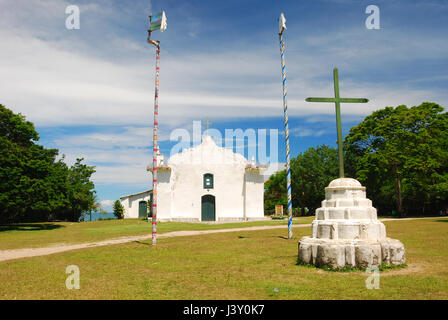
(205, 183)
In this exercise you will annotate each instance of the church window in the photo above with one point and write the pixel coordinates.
(208, 181)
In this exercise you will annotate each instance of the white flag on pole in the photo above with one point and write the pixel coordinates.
(163, 22)
(281, 23)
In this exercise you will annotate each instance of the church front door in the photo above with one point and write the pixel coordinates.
(208, 208)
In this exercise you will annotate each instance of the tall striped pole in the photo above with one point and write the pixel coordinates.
(158, 24)
(155, 148)
(282, 27)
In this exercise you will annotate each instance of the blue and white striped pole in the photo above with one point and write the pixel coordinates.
(282, 27)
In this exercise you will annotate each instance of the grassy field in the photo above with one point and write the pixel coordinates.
(236, 265)
(34, 235)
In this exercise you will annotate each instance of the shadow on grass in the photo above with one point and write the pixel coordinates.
(382, 267)
(326, 268)
(29, 226)
(445, 220)
(286, 238)
(143, 243)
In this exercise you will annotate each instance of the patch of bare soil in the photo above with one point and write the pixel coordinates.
(411, 268)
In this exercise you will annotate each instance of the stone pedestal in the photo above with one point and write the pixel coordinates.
(347, 233)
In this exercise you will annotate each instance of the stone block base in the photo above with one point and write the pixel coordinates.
(337, 254)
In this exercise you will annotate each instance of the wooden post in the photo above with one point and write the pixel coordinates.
(337, 101)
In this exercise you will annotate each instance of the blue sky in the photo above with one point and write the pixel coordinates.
(90, 91)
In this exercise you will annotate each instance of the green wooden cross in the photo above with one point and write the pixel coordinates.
(337, 101)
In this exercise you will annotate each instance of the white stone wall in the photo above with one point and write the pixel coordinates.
(238, 191)
(347, 233)
(125, 203)
(254, 202)
(131, 203)
(164, 195)
(187, 191)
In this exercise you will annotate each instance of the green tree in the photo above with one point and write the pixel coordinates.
(31, 180)
(96, 207)
(34, 185)
(81, 193)
(311, 172)
(14, 128)
(401, 155)
(275, 192)
(118, 209)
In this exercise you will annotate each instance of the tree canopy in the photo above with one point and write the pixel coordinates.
(34, 185)
(311, 172)
(118, 209)
(400, 154)
(275, 192)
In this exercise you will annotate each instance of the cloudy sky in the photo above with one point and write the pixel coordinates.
(90, 91)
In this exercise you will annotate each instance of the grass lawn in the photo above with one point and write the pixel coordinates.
(34, 235)
(236, 265)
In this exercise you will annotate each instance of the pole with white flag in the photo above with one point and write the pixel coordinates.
(281, 28)
(159, 22)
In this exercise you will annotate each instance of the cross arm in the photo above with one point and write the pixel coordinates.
(354, 100)
(349, 100)
(320, 99)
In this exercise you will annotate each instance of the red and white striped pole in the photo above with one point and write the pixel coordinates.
(155, 144)
(156, 148)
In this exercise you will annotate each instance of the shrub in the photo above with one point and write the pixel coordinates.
(118, 209)
(279, 217)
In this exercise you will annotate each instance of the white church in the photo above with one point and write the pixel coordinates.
(203, 183)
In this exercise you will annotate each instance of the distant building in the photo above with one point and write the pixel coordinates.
(135, 205)
(204, 183)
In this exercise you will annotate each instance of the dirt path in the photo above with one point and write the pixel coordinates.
(34, 252)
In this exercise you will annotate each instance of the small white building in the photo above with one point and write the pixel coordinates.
(136, 205)
(204, 183)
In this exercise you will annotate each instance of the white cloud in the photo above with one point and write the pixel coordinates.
(136, 176)
(123, 137)
(94, 77)
(120, 157)
(54, 85)
(305, 132)
(106, 202)
(273, 168)
(107, 205)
